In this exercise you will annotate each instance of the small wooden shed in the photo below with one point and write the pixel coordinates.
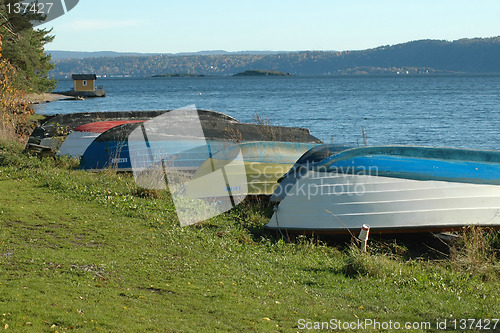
(84, 82)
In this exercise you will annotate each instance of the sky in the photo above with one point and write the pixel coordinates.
(172, 26)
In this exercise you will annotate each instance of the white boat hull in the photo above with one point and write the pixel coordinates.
(329, 202)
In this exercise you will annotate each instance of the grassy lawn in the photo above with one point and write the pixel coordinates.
(93, 252)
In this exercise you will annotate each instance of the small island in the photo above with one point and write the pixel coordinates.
(257, 72)
(178, 75)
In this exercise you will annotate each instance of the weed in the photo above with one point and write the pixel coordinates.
(360, 263)
(266, 129)
(233, 134)
(147, 193)
(476, 251)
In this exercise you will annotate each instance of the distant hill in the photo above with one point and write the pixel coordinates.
(63, 55)
(474, 56)
(60, 55)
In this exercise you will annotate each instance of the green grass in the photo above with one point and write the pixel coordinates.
(93, 252)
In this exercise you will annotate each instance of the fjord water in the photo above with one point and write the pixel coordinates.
(449, 111)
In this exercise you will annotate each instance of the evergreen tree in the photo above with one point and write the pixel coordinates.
(23, 48)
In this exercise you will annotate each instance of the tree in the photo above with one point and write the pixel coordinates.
(23, 48)
(23, 67)
(14, 112)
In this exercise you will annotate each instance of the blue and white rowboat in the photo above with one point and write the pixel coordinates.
(392, 189)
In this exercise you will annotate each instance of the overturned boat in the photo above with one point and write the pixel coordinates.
(306, 161)
(264, 162)
(189, 148)
(81, 137)
(54, 129)
(392, 189)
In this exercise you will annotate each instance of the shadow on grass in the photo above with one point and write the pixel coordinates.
(395, 256)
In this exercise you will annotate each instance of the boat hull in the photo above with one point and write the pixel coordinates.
(81, 137)
(180, 139)
(55, 129)
(339, 203)
(183, 155)
(264, 163)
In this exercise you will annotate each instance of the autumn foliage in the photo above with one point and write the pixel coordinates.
(14, 111)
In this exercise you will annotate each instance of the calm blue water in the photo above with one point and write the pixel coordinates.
(432, 111)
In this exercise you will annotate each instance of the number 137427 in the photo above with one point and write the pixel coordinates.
(27, 7)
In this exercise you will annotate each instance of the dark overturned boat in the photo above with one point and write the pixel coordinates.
(53, 130)
(114, 148)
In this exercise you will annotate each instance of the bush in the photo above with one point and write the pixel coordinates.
(476, 251)
(14, 110)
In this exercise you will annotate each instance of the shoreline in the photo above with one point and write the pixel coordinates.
(34, 98)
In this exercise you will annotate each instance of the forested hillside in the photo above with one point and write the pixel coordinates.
(480, 55)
